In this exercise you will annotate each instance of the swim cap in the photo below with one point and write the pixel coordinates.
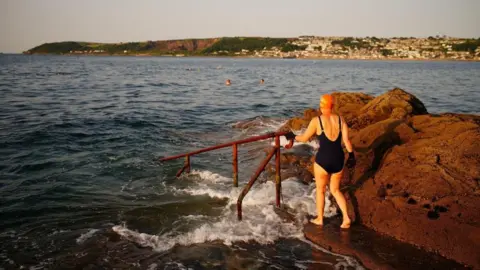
(326, 101)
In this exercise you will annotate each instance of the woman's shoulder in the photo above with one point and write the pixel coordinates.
(334, 116)
(315, 119)
(337, 118)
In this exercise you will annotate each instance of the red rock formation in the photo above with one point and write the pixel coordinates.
(190, 45)
(426, 191)
(417, 176)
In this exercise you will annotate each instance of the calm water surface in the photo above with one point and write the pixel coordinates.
(80, 138)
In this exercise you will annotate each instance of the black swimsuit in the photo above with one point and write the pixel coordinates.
(330, 155)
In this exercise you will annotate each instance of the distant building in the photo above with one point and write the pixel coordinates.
(306, 37)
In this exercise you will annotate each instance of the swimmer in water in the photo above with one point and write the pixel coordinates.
(228, 82)
(262, 81)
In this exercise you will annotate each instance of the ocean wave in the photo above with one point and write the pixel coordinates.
(85, 236)
(261, 222)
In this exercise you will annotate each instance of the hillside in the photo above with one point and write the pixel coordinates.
(211, 46)
(147, 47)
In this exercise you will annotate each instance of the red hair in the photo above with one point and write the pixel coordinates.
(326, 102)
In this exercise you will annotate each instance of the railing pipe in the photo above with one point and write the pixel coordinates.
(252, 181)
(187, 163)
(181, 170)
(251, 139)
(278, 180)
(274, 151)
(235, 165)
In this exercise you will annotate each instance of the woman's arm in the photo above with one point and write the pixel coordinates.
(312, 127)
(345, 138)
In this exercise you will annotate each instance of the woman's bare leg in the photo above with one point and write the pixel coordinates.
(338, 195)
(321, 180)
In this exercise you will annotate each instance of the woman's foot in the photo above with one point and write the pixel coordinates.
(317, 221)
(345, 224)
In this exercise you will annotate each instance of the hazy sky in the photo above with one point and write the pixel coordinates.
(27, 23)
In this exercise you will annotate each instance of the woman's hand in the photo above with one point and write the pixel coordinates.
(351, 161)
(290, 136)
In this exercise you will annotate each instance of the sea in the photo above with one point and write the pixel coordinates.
(81, 138)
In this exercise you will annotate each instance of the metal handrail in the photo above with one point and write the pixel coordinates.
(274, 151)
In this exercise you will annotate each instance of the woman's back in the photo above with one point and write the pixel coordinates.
(330, 153)
(329, 125)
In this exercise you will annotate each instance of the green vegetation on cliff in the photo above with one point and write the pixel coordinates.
(72, 47)
(237, 44)
(467, 46)
(288, 47)
(60, 47)
(187, 47)
(352, 43)
(222, 46)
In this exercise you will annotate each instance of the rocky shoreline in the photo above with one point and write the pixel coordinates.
(417, 177)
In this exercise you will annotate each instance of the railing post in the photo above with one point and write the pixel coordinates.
(187, 163)
(278, 180)
(252, 181)
(181, 171)
(235, 165)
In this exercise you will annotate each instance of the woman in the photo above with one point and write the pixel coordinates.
(330, 129)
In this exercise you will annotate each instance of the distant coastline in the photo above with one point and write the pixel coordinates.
(304, 47)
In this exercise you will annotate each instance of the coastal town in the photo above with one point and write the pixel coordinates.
(303, 47)
(374, 48)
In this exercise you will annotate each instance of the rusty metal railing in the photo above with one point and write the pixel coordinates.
(274, 151)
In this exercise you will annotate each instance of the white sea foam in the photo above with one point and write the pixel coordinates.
(211, 177)
(176, 266)
(55, 232)
(83, 237)
(263, 126)
(194, 217)
(347, 261)
(260, 221)
(152, 266)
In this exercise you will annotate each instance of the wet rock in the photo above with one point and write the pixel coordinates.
(295, 123)
(394, 104)
(411, 201)
(298, 123)
(381, 192)
(373, 250)
(439, 162)
(433, 215)
(441, 209)
(348, 105)
(308, 114)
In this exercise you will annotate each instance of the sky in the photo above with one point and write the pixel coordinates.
(27, 23)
